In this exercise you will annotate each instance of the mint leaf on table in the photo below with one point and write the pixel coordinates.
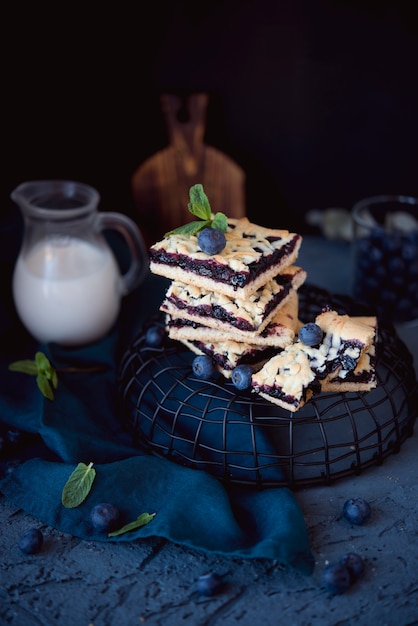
(141, 520)
(199, 206)
(78, 486)
(46, 375)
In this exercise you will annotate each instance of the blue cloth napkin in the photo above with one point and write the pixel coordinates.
(192, 508)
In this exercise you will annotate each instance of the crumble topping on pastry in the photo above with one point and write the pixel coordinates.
(286, 379)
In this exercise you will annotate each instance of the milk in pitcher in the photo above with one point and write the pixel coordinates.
(67, 290)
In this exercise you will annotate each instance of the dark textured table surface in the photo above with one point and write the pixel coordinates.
(82, 583)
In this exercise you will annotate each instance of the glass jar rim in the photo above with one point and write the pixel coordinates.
(363, 204)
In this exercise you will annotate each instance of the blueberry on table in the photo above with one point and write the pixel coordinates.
(355, 565)
(336, 578)
(209, 584)
(31, 541)
(241, 377)
(203, 367)
(357, 510)
(104, 517)
(310, 334)
(211, 240)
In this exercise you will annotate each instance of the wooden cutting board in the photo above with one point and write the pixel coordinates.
(161, 184)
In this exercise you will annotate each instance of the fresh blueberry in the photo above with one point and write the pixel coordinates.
(241, 377)
(203, 367)
(336, 578)
(104, 517)
(357, 510)
(31, 541)
(154, 336)
(211, 240)
(209, 584)
(355, 565)
(409, 251)
(311, 334)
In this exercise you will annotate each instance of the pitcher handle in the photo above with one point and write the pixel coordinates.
(138, 267)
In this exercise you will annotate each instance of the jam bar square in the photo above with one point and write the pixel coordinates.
(248, 316)
(280, 332)
(253, 255)
(290, 378)
(286, 379)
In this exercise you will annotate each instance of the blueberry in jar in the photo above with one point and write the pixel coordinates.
(311, 334)
(104, 517)
(385, 271)
(31, 541)
(211, 240)
(203, 367)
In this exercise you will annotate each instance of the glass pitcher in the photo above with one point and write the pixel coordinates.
(67, 284)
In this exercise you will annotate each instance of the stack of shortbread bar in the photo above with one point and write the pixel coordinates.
(241, 306)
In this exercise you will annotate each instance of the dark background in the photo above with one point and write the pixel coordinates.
(317, 100)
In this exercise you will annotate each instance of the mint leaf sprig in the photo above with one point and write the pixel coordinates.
(46, 375)
(199, 206)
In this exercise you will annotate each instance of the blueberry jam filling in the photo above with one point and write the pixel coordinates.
(181, 323)
(344, 354)
(210, 312)
(364, 377)
(219, 272)
(348, 363)
(250, 358)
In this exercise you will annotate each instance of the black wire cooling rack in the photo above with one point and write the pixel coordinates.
(240, 438)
